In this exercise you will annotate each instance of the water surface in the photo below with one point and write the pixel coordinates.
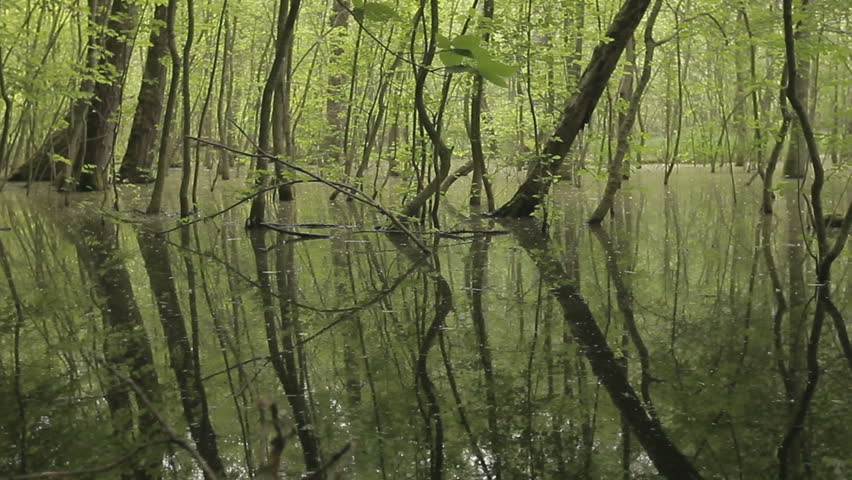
(498, 357)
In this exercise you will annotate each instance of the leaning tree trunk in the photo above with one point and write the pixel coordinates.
(138, 159)
(577, 113)
(626, 122)
(91, 170)
(67, 142)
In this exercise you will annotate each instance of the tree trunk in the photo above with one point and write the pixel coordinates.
(335, 105)
(476, 104)
(626, 121)
(286, 26)
(186, 208)
(577, 113)
(796, 161)
(138, 159)
(101, 121)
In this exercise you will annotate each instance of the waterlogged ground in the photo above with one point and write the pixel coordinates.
(130, 355)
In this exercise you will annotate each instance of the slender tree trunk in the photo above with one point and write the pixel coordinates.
(769, 173)
(335, 103)
(138, 159)
(286, 26)
(796, 161)
(186, 208)
(225, 100)
(577, 113)
(476, 104)
(444, 153)
(625, 125)
(827, 252)
(5, 161)
(183, 355)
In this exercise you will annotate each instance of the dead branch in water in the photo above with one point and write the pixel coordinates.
(348, 190)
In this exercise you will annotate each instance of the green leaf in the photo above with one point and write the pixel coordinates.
(59, 158)
(451, 59)
(480, 54)
(358, 13)
(443, 42)
(460, 69)
(494, 78)
(379, 12)
(463, 52)
(467, 42)
(497, 68)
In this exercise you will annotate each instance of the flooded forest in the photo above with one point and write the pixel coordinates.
(425, 239)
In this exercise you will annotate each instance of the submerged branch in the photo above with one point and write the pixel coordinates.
(350, 191)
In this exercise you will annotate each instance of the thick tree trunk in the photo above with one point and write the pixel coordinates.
(126, 346)
(138, 159)
(168, 117)
(91, 169)
(577, 113)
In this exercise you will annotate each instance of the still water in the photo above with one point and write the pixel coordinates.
(674, 337)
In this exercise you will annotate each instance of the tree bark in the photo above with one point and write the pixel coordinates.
(444, 153)
(168, 118)
(91, 170)
(286, 26)
(796, 161)
(138, 159)
(476, 104)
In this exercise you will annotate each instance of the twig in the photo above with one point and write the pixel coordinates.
(253, 283)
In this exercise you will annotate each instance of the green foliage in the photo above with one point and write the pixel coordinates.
(464, 54)
(374, 11)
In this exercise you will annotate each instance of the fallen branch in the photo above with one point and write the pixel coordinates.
(350, 191)
(304, 235)
(231, 207)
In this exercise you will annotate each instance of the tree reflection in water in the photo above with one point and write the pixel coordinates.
(651, 344)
